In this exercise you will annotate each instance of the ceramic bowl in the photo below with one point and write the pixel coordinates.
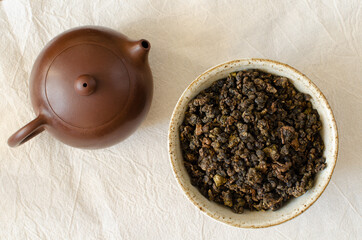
(294, 207)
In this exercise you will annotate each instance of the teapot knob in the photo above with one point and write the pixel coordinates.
(85, 85)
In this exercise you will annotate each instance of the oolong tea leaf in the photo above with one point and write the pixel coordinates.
(252, 141)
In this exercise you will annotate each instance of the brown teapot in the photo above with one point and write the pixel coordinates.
(90, 87)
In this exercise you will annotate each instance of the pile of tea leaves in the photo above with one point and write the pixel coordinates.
(252, 141)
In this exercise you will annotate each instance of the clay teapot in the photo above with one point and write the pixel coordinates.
(90, 87)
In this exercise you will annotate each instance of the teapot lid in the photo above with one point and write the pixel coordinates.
(87, 85)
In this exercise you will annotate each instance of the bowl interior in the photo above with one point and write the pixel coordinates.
(293, 207)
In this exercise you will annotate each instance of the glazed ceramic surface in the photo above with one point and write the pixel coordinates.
(295, 206)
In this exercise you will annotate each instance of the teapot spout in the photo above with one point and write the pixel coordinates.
(139, 51)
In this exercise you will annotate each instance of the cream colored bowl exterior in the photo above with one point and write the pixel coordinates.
(294, 207)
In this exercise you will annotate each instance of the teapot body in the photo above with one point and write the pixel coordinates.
(90, 87)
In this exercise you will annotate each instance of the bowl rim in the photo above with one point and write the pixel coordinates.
(172, 130)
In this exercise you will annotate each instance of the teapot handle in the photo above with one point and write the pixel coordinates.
(27, 132)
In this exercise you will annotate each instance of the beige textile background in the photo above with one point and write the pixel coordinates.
(51, 191)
